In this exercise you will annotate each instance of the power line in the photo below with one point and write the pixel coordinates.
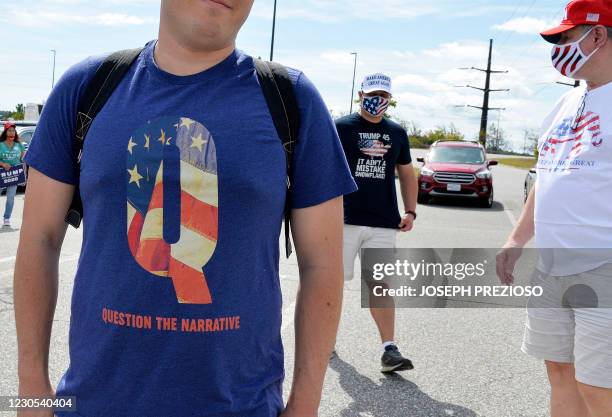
(548, 85)
(510, 33)
(575, 84)
(530, 7)
(524, 51)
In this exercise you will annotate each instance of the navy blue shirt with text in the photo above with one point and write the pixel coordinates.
(373, 150)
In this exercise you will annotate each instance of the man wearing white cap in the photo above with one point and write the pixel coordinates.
(375, 148)
(570, 211)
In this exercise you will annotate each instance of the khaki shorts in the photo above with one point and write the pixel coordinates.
(582, 336)
(363, 237)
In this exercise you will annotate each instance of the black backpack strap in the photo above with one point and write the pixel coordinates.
(280, 97)
(107, 77)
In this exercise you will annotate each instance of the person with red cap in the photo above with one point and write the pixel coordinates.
(569, 213)
(11, 154)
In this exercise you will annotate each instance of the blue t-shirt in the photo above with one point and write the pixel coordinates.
(373, 151)
(176, 309)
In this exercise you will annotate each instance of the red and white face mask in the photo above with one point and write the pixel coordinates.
(569, 58)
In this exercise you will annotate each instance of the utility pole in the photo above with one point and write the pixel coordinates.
(482, 136)
(354, 73)
(53, 73)
(273, 31)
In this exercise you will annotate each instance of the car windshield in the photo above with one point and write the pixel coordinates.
(456, 154)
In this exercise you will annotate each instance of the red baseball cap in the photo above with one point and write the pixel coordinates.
(581, 12)
(9, 124)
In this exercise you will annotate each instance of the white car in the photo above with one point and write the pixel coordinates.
(25, 134)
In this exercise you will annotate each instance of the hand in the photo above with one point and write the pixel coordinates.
(4, 166)
(506, 260)
(407, 223)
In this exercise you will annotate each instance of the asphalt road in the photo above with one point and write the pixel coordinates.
(468, 361)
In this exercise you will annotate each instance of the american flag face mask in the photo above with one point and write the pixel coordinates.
(376, 105)
(569, 58)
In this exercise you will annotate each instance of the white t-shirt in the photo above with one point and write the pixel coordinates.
(573, 206)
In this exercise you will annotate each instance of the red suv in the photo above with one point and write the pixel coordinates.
(456, 169)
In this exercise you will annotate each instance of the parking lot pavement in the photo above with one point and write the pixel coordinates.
(468, 361)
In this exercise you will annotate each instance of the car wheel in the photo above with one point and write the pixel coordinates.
(423, 198)
(487, 202)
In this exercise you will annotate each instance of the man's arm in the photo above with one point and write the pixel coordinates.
(410, 188)
(317, 233)
(524, 230)
(521, 234)
(36, 275)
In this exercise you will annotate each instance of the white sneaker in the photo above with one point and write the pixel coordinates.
(7, 223)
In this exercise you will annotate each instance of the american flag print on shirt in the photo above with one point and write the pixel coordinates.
(183, 257)
(373, 147)
(586, 132)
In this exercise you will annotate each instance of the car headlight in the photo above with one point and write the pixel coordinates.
(426, 172)
(485, 174)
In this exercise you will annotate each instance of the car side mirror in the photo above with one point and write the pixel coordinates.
(532, 170)
(492, 163)
(421, 159)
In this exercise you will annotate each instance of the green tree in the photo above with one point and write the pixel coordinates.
(445, 133)
(423, 139)
(530, 145)
(19, 112)
(496, 141)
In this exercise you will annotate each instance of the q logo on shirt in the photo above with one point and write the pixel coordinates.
(172, 203)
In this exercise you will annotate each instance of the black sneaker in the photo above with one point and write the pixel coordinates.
(393, 361)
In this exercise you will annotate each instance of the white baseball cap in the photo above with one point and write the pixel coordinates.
(376, 82)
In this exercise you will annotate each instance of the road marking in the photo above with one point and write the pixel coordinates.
(511, 217)
(10, 272)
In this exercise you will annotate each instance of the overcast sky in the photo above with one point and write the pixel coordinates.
(421, 44)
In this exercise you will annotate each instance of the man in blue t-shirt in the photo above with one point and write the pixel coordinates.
(376, 148)
(176, 309)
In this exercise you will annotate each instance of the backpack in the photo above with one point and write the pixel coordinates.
(276, 87)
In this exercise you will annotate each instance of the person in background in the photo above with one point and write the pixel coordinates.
(375, 149)
(11, 154)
